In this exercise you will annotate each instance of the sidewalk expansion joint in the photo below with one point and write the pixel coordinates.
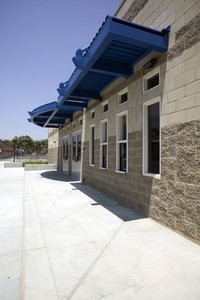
(94, 263)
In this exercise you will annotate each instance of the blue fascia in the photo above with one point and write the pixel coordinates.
(38, 115)
(44, 108)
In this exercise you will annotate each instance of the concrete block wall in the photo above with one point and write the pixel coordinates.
(174, 199)
(53, 146)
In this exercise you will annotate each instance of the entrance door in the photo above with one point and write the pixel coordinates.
(76, 155)
(65, 158)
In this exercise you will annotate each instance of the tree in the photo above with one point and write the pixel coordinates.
(41, 146)
(26, 144)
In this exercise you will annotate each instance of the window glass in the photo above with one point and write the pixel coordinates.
(104, 156)
(91, 146)
(103, 144)
(79, 147)
(104, 107)
(122, 157)
(104, 132)
(124, 98)
(123, 127)
(92, 114)
(74, 147)
(63, 148)
(153, 138)
(153, 81)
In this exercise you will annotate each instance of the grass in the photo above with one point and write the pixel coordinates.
(34, 162)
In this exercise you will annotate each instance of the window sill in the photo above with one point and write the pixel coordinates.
(91, 165)
(119, 104)
(101, 168)
(153, 88)
(121, 172)
(157, 176)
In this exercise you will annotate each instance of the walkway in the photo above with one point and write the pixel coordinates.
(63, 240)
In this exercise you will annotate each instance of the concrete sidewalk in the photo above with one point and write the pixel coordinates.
(63, 240)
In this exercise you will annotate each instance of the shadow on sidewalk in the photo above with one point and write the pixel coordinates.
(57, 176)
(99, 198)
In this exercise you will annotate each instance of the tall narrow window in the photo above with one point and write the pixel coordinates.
(104, 144)
(152, 138)
(122, 140)
(78, 146)
(65, 148)
(91, 146)
(92, 114)
(74, 147)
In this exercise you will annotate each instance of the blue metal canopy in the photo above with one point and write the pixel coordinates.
(114, 51)
(52, 115)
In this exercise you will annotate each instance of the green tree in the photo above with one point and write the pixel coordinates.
(23, 143)
(41, 146)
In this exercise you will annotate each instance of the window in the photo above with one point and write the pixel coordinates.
(122, 97)
(80, 121)
(151, 148)
(92, 114)
(104, 107)
(151, 80)
(121, 142)
(76, 147)
(65, 148)
(73, 125)
(104, 144)
(91, 146)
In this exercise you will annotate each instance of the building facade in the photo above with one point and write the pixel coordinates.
(6, 151)
(139, 142)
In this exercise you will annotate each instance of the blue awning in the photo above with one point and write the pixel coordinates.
(114, 51)
(51, 115)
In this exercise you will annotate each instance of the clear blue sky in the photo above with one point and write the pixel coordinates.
(38, 40)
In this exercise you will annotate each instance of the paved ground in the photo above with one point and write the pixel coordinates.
(62, 240)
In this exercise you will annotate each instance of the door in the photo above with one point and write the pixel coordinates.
(65, 156)
(76, 155)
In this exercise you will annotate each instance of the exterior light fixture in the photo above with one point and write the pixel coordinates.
(150, 64)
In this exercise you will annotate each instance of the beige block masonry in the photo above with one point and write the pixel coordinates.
(174, 198)
(53, 146)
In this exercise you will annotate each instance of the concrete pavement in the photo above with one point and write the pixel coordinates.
(63, 240)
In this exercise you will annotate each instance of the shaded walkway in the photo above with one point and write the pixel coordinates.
(63, 240)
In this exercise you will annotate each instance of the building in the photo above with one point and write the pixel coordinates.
(128, 120)
(6, 150)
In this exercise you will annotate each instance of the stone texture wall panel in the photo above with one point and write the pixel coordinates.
(178, 190)
(167, 219)
(185, 227)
